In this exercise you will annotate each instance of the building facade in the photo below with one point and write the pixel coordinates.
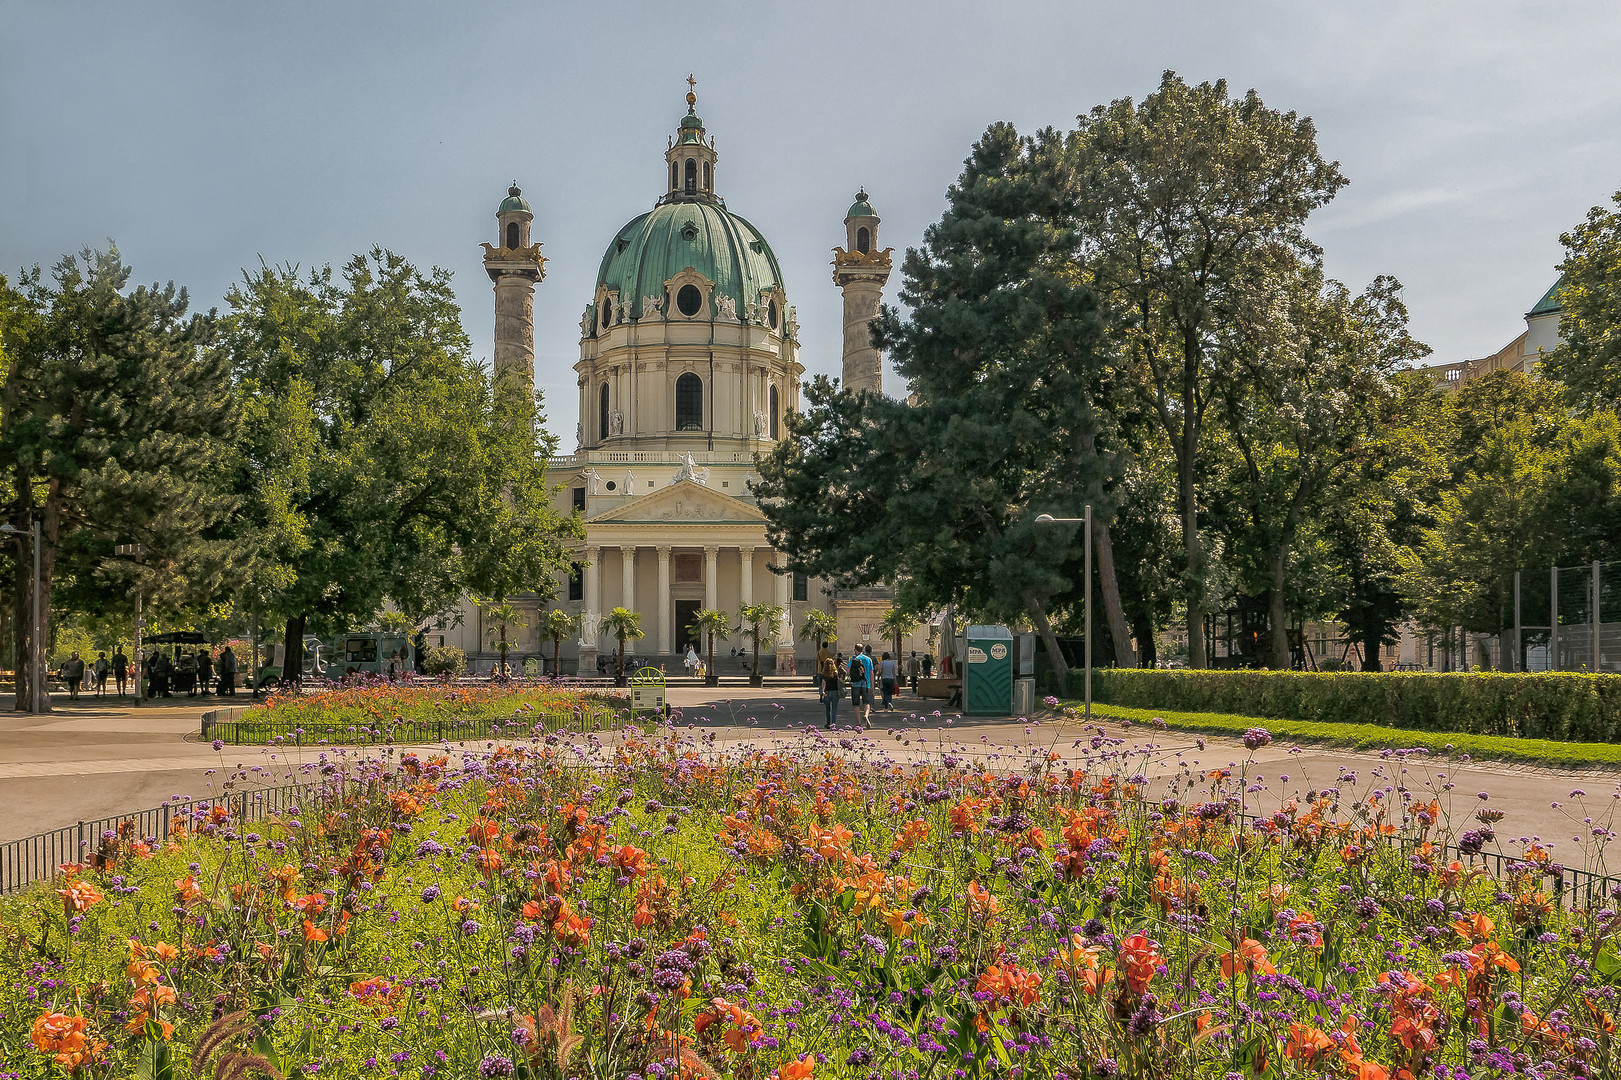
(688, 366)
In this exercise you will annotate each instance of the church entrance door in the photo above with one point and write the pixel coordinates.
(683, 616)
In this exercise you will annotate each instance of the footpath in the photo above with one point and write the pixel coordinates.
(101, 757)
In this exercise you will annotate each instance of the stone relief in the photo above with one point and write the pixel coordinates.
(651, 306)
(616, 423)
(760, 424)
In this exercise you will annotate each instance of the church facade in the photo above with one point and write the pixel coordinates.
(688, 366)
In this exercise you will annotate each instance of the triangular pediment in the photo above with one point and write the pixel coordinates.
(682, 502)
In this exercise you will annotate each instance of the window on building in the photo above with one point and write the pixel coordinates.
(602, 413)
(579, 499)
(863, 241)
(801, 587)
(774, 412)
(1452, 376)
(675, 179)
(706, 176)
(607, 312)
(771, 314)
(692, 177)
(512, 234)
(576, 582)
(689, 402)
(689, 300)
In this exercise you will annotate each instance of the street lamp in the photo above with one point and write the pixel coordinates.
(1086, 563)
(36, 684)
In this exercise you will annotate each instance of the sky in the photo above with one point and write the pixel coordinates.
(204, 138)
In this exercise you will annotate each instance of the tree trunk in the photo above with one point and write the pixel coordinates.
(1193, 576)
(711, 677)
(754, 670)
(292, 648)
(1277, 613)
(1038, 615)
(1148, 654)
(1370, 642)
(1109, 587)
(557, 658)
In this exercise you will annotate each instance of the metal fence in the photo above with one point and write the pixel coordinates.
(1560, 620)
(36, 858)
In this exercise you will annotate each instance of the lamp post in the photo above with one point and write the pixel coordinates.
(133, 552)
(1086, 564)
(36, 683)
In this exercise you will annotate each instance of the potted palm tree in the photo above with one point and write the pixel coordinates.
(754, 622)
(623, 625)
(820, 627)
(499, 617)
(710, 624)
(558, 624)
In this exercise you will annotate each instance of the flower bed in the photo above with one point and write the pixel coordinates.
(421, 712)
(659, 911)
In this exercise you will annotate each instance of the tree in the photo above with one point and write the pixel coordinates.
(117, 412)
(895, 625)
(623, 625)
(1000, 351)
(819, 626)
(378, 463)
(710, 624)
(558, 624)
(501, 616)
(756, 621)
(1188, 200)
(1588, 359)
(1314, 367)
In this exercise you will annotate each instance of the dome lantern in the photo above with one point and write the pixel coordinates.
(690, 160)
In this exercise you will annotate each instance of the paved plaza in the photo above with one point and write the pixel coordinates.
(97, 758)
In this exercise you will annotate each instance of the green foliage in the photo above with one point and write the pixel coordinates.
(757, 622)
(819, 626)
(445, 660)
(1559, 706)
(118, 411)
(500, 617)
(556, 625)
(897, 624)
(710, 625)
(621, 624)
(1588, 359)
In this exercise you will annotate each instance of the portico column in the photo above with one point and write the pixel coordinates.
(711, 585)
(746, 580)
(593, 593)
(785, 633)
(666, 645)
(627, 576)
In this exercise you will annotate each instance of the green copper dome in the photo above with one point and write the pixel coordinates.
(704, 235)
(1549, 302)
(861, 207)
(514, 201)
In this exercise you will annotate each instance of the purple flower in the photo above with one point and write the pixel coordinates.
(1255, 738)
(495, 1065)
(430, 894)
(219, 744)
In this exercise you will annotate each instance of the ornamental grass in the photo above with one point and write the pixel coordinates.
(817, 906)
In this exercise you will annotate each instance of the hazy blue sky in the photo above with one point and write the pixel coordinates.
(204, 137)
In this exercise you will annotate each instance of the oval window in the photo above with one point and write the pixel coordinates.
(689, 300)
(771, 314)
(610, 485)
(607, 314)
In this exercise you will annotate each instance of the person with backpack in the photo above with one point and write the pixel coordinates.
(828, 676)
(860, 675)
(886, 680)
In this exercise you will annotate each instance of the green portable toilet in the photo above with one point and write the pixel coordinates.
(987, 685)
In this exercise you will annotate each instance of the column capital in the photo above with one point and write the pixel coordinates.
(664, 551)
(747, 549)
(711, 550)
(592, 551)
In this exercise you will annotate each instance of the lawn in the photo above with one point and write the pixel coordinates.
(656, 910)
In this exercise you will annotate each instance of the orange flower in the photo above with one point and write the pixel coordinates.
(67, 1038)
(1250, 956)
(911, 835)
(631, 860)
(1139, 956)
(78, 896)
(1010, 984)
(902, 923)
(144, 1006)
(313, 932)
(798, 1069)
(187, 891)
(981, 902)
(1306, 1044)
(1477, 928)
(740, 1025)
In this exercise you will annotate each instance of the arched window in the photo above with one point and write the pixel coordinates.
(512, 234)
(692, 177)
(775, 411)
(862, 241)
(602, 413)
(675, 180)
(607, 312)
(689, 403)
(706, 176)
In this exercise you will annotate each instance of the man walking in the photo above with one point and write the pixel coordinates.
(120, 668)
(99, 674)
(73, 672)
(227, 672)
(913, 669)
(861, 683)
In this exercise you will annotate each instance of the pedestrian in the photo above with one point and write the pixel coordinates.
(227, 672)
(928, 665)
(205, 671)
(823, 659)
(120, 668)
(860, 674)
(913, 669)
(691, 661)
(828, 676)
(73, 673)
(886, 680)
(100, 676)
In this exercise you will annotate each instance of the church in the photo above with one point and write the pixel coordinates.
(688, 365)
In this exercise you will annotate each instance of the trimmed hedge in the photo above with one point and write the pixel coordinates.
(1562, 706)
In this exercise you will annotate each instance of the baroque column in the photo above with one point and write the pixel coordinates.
(665, 643)
(627, 575)
(745, 581)
(515, 266)
(711, 573)
(785, 633)
(860, 273)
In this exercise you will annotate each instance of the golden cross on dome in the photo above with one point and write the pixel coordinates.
(692, 96)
